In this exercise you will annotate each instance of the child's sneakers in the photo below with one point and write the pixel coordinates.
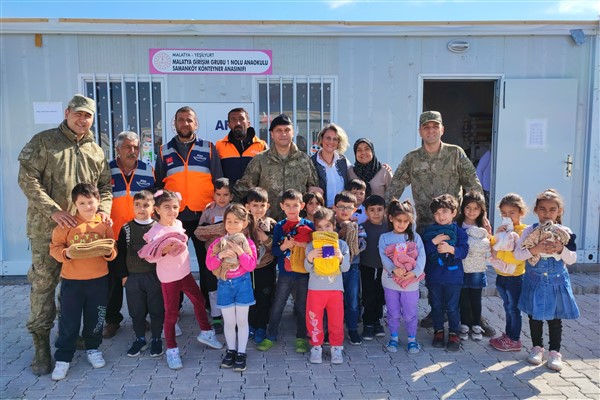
(228, 359)
(316, 355)
(209, 338)
(95, 358)
(137, 347)
(217, 325)
(453, 342)
(265, 345)
(555, 360)
(156, 348)
(178, 331)
(392, 345)
(259, 335)
(173, 358)
(337, 356)
(239, 365)
(301, 345)
(463, 332)
(536, 356)
(355, 338)
(476, 333)
(379, 331)
(60, 370)
(438, 339)
(368, 332)
(413, 347)
(504, 343)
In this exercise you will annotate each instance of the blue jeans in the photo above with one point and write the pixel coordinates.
(296, 285)
(351, 280)
(445, 298)
(509, 288)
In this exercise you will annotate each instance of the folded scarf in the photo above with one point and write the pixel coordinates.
(432, 231)
(404, 256)
(479, 247)
(294, 257)
(326, 266)
(349, 234)
(97, 248)
(154, 249)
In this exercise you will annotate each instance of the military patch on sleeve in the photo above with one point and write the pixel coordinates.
(26, 153)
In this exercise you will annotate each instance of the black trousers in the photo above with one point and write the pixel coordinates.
(263, 281)
(372, 295)
(470, 306)
(144, 296)
(554, 332)
(208, 282)
(115, 296)
(77, 297)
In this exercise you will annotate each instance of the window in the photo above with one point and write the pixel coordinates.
(310, 101)
(127, 103)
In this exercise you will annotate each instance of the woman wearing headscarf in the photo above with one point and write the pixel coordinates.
(376, 175)
(330, 163)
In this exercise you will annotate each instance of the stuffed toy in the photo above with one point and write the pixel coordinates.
(229, 263)
(404, 257)
(329, 264)
(154, 249)
(294, 257)
(507, 240)
(479, 246)
(97, 248)
(546, 231)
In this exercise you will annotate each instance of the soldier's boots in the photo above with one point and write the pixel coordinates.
(42, 360)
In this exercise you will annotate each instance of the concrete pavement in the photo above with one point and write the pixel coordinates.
(369, 372)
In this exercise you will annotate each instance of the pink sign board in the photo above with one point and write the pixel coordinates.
(202, 61)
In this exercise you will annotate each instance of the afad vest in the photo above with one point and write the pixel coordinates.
(190, 177)
(123, 192)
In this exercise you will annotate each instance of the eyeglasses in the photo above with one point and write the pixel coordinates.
(345, 208)
(331, 139)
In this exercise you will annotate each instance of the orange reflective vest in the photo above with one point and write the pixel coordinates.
(234, 164)
(122, 207)
(191, 177)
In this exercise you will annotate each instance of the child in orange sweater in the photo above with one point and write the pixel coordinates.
(84, 284)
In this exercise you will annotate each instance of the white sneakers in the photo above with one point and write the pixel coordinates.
(60, 370)
(337, 356)
(463, 333)
(555, 361)
(209, 338)
(173, 358)
(536, 356)
(316, 355)
(177, 331)
(476, 333)
(95, 358)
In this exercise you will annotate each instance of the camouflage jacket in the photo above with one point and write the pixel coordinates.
(275, 174)
(51, 164)
(447, 172)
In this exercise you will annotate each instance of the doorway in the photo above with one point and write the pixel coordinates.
(467, 108)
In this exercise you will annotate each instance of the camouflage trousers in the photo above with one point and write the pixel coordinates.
(44, 276)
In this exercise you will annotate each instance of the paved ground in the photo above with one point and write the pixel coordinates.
(476, 372)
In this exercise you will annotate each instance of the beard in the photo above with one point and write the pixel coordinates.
(238, 133)
(184, 135)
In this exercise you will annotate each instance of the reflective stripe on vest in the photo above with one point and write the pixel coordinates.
(122, 207)
(191, 177)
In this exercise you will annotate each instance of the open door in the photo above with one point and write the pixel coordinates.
(536, 141)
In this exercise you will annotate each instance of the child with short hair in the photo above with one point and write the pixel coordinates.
(264, 276)
(473, 219)
(84, 279)
(166, 245)
(290, 238)
(208, 233)
(446, 246)
(403, 256)
(548, 247)
(142, 287)
(344, 206)
(327, 258)
(510, 271)
(358, 187)
(313, 201)
(231, 258)
(371, 268)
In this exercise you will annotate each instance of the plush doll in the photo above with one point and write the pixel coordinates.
(479, 246)
(546, 231)
(404, 257)
(229, 263)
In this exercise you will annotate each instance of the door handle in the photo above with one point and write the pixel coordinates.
(569, 169)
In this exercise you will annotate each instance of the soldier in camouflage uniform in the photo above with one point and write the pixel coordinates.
(434, 169)
(279, 168)
(51, 164)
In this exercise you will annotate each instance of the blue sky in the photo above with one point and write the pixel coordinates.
(334, 10)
